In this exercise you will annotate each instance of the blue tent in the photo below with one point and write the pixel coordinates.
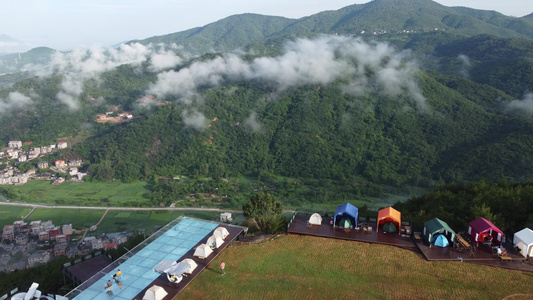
(440, 240)
(345, 211)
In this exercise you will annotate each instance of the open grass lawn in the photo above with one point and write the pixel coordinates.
(37, 191)
(9, 214)
(305, 267)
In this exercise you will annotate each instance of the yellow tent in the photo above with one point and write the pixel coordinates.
(389, 214)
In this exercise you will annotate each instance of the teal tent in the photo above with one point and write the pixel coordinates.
(440, 240)
(389, 227)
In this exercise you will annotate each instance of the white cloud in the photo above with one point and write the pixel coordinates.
(525, 105)
(304, 61)
(14, 100)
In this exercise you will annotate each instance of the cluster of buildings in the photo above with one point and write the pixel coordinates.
(39, 241)
(14, 152)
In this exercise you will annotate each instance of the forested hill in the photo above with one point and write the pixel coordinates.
(410, 107)
(393, 18)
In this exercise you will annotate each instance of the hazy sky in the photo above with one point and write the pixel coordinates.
(68, 24)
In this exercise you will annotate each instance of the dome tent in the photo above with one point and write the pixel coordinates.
(440, 240)
(389, 227)
(315, 219)
(203, 251)
(215, 241)
(346, 215)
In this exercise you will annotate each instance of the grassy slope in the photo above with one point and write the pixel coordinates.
(304, 267)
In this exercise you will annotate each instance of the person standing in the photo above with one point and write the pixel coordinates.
(222, 267)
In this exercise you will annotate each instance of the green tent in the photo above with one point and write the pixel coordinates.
(389, 227)
(345, 223)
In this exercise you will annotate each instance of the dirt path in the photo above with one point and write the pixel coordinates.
(98, 223)
(26, 216)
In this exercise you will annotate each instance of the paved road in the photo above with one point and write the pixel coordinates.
(34, 205)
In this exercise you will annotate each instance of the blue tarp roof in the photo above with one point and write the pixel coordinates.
(348, 209)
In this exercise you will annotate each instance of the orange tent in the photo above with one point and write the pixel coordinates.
(389, 214)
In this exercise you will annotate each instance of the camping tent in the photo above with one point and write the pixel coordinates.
(222, 232)
(203, 251)
(482, 230)
(155, 293)
(437, 226)
(391, 215)
(440, 240)
(346, 215)
(215, 241)
(315, 219)
(524, 241)
(192, 265)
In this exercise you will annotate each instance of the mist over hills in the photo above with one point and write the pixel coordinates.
(395, 92)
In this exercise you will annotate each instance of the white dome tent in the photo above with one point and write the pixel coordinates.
(222, 232)
(192, 265)
(203, 251)
(215, 241)
(315, 219)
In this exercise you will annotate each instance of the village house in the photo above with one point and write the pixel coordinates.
(39, 257)
(44, 236)
(21, 239)
(14, 144)
(5, 180)
(75, 163)
(73, 171)
(30, 172)
(8, 233)
(13, 154)
(54, 232)
(60, 164)
(22, 158)
(19, 224)
(67, 229)
(60, 249)
(46, 149)
(42, 165)
(97, 244)
(62, 145)
(61, 238)
(58, 181)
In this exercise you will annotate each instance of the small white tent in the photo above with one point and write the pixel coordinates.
(215, 241)
(192, 265)
(524, 241)
(155, 293)
(203, 251)
(222, 232)
(315, 219)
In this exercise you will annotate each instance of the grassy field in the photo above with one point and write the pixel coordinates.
(9, 214)
(74, 193)
(304, 267)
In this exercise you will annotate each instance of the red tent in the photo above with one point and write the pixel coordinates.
(482, 230)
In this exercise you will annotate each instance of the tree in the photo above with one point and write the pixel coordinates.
(265, 210)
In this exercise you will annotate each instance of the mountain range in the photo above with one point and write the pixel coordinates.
(404, 93)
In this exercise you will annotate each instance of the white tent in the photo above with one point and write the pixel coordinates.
(222, 232)
(524, 241)
(203, 251)
(192, 265)
(215, 241)
(155, 293)
(315, 219)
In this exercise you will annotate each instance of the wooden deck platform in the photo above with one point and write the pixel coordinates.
(483, 255)
(174, 289)
(299, 226)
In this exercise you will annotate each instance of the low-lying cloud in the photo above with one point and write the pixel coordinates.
(368, 66)
(15, 100)
(523, 106)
